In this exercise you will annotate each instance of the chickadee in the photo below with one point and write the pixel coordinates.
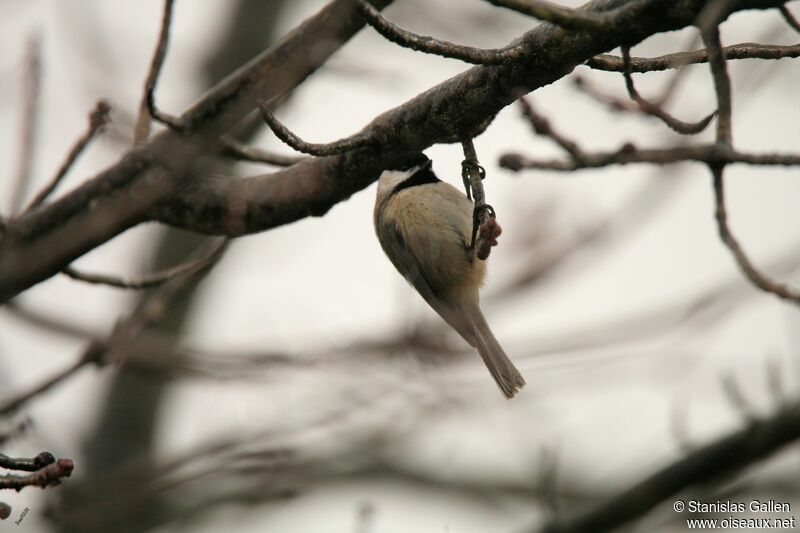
(425, 225)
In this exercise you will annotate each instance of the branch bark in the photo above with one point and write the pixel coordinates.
(151, 182)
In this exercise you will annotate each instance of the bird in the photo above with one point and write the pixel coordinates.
(424, 226)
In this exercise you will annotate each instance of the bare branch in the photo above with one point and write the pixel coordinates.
(628, 153)
(147, 106)
(155, 279)
(172, 122)
(641, 106)
(745, 265)
(237, 150)
(29, 115)
(97, 119)
(327, 149)
(485, 228)
(789, 18)
(722, 85)
(91, 354)
(48, 475)
(612, 63)
(46, 240)
(115, 347)
(25, 464)
(430, 45)
(541, 126)
(679, 126)
(728, 455)
(569, 19)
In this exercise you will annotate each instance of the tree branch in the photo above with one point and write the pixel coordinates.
(569, 19)
(97, 119)
(142, 129)
(541, 126)
(612, 63)
(628, 153)
(115, 347)
(725, 456)
(287, 136)
(789, 18)
(430, 45)
(726, 235)
(679, 126)
(44, 241)
(139, 187)
(639, 105)
(154, 279)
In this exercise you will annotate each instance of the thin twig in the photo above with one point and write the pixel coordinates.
(115, 347)
(91, 354)
(613, 63)
(679, 126)
(237, 150)
(485, 229)
(570, 19)
(147, 105)
(150, 280)
(541, 126)
(789, 18)
(640, 106)
(287, 136)
(745, 265)
(171, 121)
(25, 464)
(431, 45)
(49, 476)
(29, 115)
(97, 119)
(628, 154)
(722, 85)
(722, 88)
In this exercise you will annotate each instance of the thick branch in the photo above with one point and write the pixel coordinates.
(730, 454)
(44, 242)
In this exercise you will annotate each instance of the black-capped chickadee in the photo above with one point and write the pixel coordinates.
(425, 225)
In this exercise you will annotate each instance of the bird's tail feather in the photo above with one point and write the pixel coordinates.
(500, 366)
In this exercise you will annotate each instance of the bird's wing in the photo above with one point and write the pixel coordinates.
(407, 264)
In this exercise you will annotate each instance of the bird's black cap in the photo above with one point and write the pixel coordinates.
(407, 160)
